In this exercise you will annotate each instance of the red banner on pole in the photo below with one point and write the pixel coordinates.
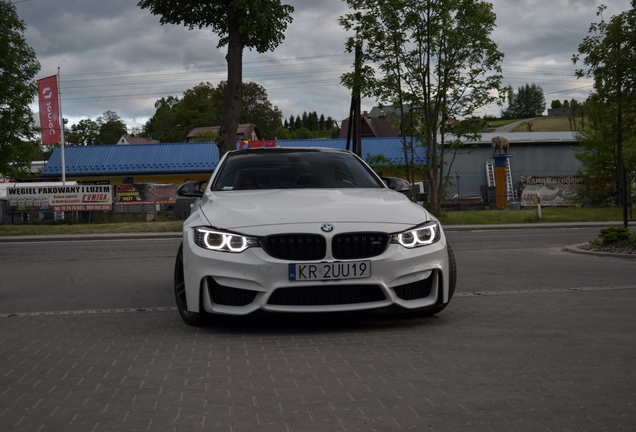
(49, 110)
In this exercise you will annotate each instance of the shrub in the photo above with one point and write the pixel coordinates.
(616, 236)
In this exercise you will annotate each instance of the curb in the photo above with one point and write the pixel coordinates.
(577, 249)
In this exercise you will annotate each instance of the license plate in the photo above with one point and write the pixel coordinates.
(330, 271)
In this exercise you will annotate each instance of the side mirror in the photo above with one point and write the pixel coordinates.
(191, 189)
(398, 184)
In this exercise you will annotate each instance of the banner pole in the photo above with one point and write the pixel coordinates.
(59, 98)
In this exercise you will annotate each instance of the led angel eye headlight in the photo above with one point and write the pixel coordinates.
(420, 236)
(222, 241)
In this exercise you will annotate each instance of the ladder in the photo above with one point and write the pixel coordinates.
(490, 173)
(511, 191)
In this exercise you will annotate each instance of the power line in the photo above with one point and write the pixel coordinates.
(568, 90)
(270, 73)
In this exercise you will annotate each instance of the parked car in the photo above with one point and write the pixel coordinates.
(306, 230)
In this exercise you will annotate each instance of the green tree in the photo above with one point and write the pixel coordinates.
(608, 54)
(83, 132)
(302, 133)
(312, 121)
(253, 24)
(577, 110)
(329, 124)
(162, 125)
(556, 104)
(111, 128)
(529, 101)
(598, 152)
(257, 109)
(18, 68)
(435, 55)
(282, 133)
(202, 106)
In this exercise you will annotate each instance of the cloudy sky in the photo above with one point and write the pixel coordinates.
(114, 56)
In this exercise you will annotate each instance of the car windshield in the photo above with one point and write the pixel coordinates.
(285, 169)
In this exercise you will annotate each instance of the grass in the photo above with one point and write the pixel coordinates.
(501, 122)
(549, 214)
(549, 124)
(539, 124)
(469, 217)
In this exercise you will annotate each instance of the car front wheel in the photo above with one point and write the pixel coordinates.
(190, 318)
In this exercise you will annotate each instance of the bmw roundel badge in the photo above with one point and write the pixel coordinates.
(327, 228)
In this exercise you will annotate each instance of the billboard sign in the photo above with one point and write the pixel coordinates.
(60, 198)
(555, 191)
(144, 193)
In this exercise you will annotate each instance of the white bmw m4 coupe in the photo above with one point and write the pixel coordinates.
(307, 230)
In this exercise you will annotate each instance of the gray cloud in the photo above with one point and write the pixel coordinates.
(115, 56)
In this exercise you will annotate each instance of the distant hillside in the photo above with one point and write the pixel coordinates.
(549, 124)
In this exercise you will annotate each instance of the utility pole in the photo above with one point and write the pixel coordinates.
(357, 135)
(354, 128)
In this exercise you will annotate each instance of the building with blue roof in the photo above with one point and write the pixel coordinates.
(145, 163)
(180, 162)
(532, 154)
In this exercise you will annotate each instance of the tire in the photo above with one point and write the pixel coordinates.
(190, 318)
(451, 287)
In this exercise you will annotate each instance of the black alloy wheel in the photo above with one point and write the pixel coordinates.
(190, 318)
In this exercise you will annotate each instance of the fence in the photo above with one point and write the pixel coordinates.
(129, 213)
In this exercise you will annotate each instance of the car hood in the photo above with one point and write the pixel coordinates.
(241, 209)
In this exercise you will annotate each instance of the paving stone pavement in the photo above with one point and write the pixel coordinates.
(550, 361)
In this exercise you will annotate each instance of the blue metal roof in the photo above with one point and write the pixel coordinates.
(166, 158)
(390, 148)
(134, 159)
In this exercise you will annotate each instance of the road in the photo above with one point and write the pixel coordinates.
(511, 126)
(536, 339)
(533, 259)
(79, 275)
(110, 274)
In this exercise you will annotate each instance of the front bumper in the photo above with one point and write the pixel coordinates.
(239, 284)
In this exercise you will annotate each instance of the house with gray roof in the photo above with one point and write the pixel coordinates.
(132, 139)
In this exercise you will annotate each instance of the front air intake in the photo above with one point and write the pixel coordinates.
(327, 295)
